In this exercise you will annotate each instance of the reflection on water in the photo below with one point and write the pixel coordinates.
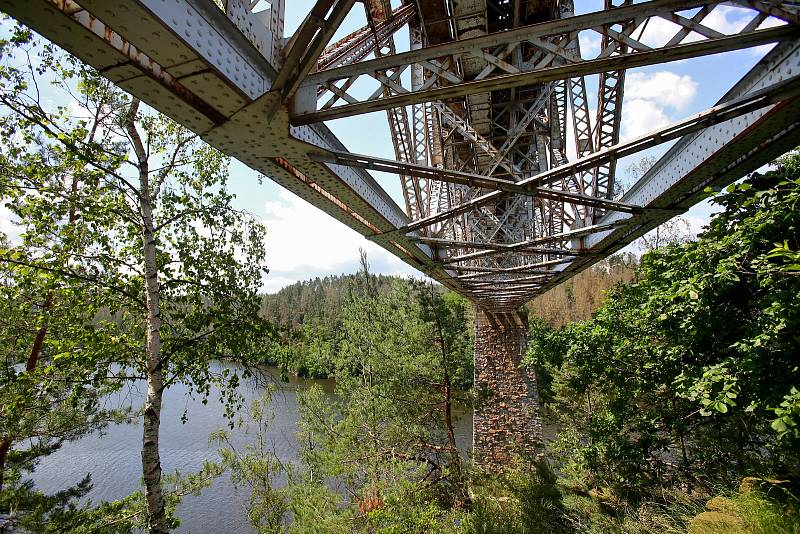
(114, 459)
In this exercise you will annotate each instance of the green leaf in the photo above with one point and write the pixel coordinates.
(778, 425)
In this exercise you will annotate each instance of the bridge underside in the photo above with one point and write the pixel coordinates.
(506, 156)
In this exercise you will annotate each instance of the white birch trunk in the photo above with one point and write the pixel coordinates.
(151, 459)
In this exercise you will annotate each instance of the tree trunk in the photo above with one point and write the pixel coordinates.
(38, 341)
(4, 446)
(447, 394)
(448, 416)
(151, 458)
(41, 334)
(30, 365)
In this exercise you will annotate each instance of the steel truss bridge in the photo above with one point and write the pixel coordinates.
(508, 174)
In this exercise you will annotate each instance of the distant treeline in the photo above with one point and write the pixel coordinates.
(310, 317)
(318, 300)
(578, 298)
(308, 314)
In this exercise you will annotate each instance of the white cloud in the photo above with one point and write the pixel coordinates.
(641, 116)
(649, 97)
(304, 242)
(728, 19)
(663, 87)
(590, 44)
(657, 32)
(725, 19)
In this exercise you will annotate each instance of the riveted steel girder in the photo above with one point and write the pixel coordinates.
(498, 207)
(551, 58)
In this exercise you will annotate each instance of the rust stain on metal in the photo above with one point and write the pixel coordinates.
(294, 171)
(139, 59)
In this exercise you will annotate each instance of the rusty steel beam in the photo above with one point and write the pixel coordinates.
(786, 90)
(555, 42)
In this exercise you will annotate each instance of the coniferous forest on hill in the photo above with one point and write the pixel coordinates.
(672, 380)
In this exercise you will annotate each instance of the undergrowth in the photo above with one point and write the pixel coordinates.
(532, 500)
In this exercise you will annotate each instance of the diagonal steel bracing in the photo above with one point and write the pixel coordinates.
(471, 180)
(303, 50)
(551, 48)
(508, 178)
(716, 115)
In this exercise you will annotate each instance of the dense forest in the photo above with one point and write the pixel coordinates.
(316, 300)
(672, 381)
(310, 319)
(308, 314)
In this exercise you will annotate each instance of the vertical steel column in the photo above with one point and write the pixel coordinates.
(277, 10)
(421, 123)
(609, 115)
(378, 11)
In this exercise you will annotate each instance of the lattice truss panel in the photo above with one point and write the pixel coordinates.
(508, 174)
(498, 91)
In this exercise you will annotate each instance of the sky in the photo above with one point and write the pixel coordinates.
(304, 242)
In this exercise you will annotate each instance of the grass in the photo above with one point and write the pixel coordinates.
(756, 514)
(533, 501)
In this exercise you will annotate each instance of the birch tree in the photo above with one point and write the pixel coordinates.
(179, 266)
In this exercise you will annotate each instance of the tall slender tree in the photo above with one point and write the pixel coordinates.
(48, 317)
(179, 266)
(402, 366)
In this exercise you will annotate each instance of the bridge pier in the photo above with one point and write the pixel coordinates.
(506, 420)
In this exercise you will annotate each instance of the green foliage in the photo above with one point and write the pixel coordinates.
(256, 468)
(522, 499)
(318, 300)
(50, 376)
(127, 234)
(315, 507)
(788, 414)
(690, 374)
(401, 514)
(311, 322)
(86, 214)
(398, 366)
(380, 456)
(525, 500)
(761, 514)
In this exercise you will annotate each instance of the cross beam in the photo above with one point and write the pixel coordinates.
(472, 180)
(549, 44)
(723, 112)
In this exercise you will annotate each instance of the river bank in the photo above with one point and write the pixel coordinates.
(112, 458)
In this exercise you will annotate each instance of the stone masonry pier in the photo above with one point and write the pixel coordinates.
(506, 421)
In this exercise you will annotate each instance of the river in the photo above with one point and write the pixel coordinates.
(114, 460)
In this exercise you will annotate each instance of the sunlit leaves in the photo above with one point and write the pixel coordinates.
(697, 359)
(75, 189)
(788, 416)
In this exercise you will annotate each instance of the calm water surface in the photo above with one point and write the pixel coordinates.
(114, 460)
